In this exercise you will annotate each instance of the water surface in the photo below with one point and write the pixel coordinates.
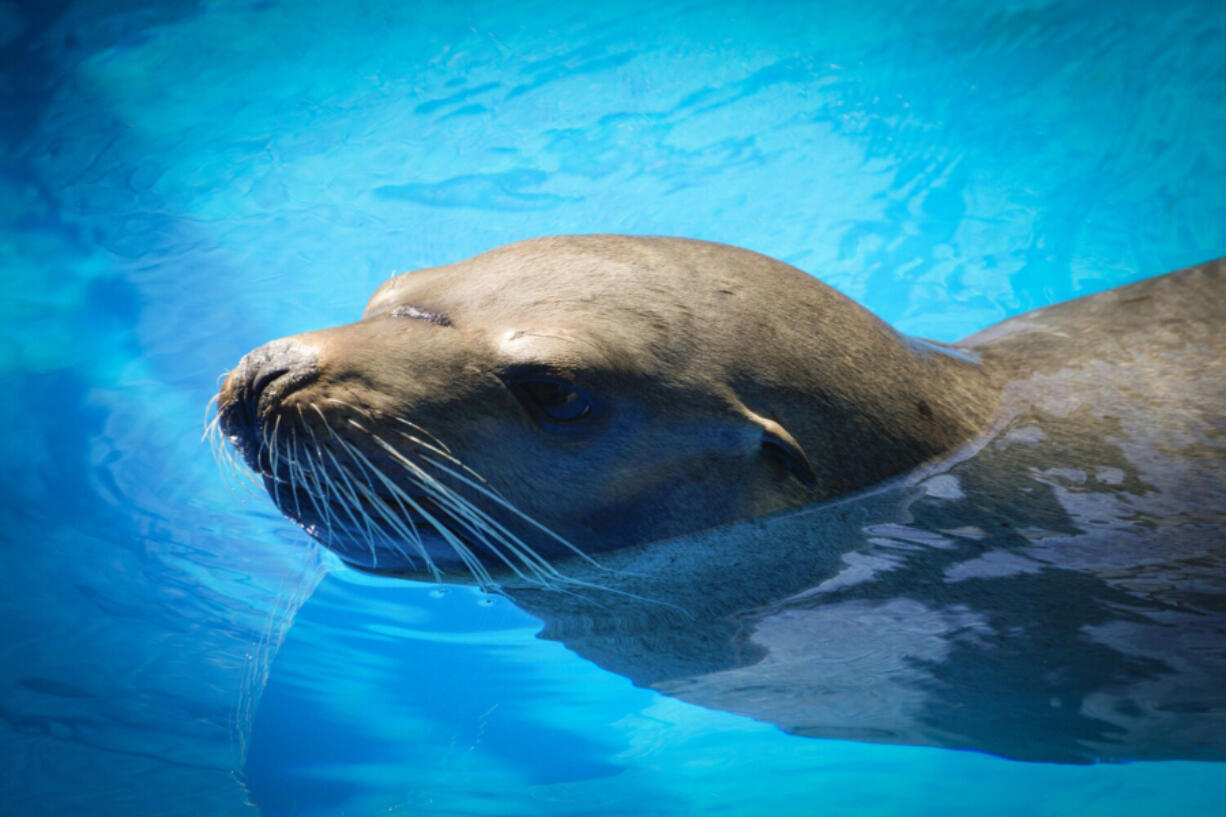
(185, 180)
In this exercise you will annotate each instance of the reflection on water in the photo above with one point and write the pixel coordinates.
(185, 181)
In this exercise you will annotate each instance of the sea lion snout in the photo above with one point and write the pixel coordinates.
(264, 375)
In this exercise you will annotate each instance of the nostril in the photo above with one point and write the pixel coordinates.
(251, 397)
(264, 374)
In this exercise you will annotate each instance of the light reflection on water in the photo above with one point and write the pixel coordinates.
(187, 182)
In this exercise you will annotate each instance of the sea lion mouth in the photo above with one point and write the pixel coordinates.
(377, 533)
(382, 493)
(333, 490)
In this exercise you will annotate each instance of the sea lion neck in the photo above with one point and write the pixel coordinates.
(864, 401)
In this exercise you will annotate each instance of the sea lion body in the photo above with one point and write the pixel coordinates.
(1052, 590)
(1012, 544)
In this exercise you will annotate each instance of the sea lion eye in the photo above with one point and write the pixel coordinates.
(554, 399)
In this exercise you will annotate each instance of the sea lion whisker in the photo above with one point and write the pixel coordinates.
(401, 497)
(423, 476)
(243, 478)
(423, 444)
(427, 481)
(346, 487)
(212, 434)
(292, 460)
(313, 493)
(547, 575)
(273, 450)
(223, 457)
(274, 447)
(344, 473)
(487, 530)
(310, 472)
(439, 443)
(373, 508)
(549, 569)
(364, 412)
(343, 490)
(462, 550)
(210, 424)
(353, 486)
(229, 470)
(349, 506)
(481, 524)
(437, 447)
(414, 537)
(493, 495)
(537, 563)
(408, 534)
(411, 535)
(262, 436)
(319, 500)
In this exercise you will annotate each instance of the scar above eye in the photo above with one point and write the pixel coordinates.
(417, 313)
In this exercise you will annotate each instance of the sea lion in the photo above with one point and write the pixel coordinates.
(612, 390)
(765, 500)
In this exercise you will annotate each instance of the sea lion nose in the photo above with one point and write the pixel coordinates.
(273, 370)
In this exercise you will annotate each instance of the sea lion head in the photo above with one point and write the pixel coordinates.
(574, 395)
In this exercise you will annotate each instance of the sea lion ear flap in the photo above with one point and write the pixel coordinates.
(777, 442)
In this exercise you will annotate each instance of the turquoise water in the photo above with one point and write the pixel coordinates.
(184, 181)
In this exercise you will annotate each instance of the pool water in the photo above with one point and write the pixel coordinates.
(186, 180)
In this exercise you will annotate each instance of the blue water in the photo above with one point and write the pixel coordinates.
(183, 181)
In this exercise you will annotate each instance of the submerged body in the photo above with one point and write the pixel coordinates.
(1013, 543)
